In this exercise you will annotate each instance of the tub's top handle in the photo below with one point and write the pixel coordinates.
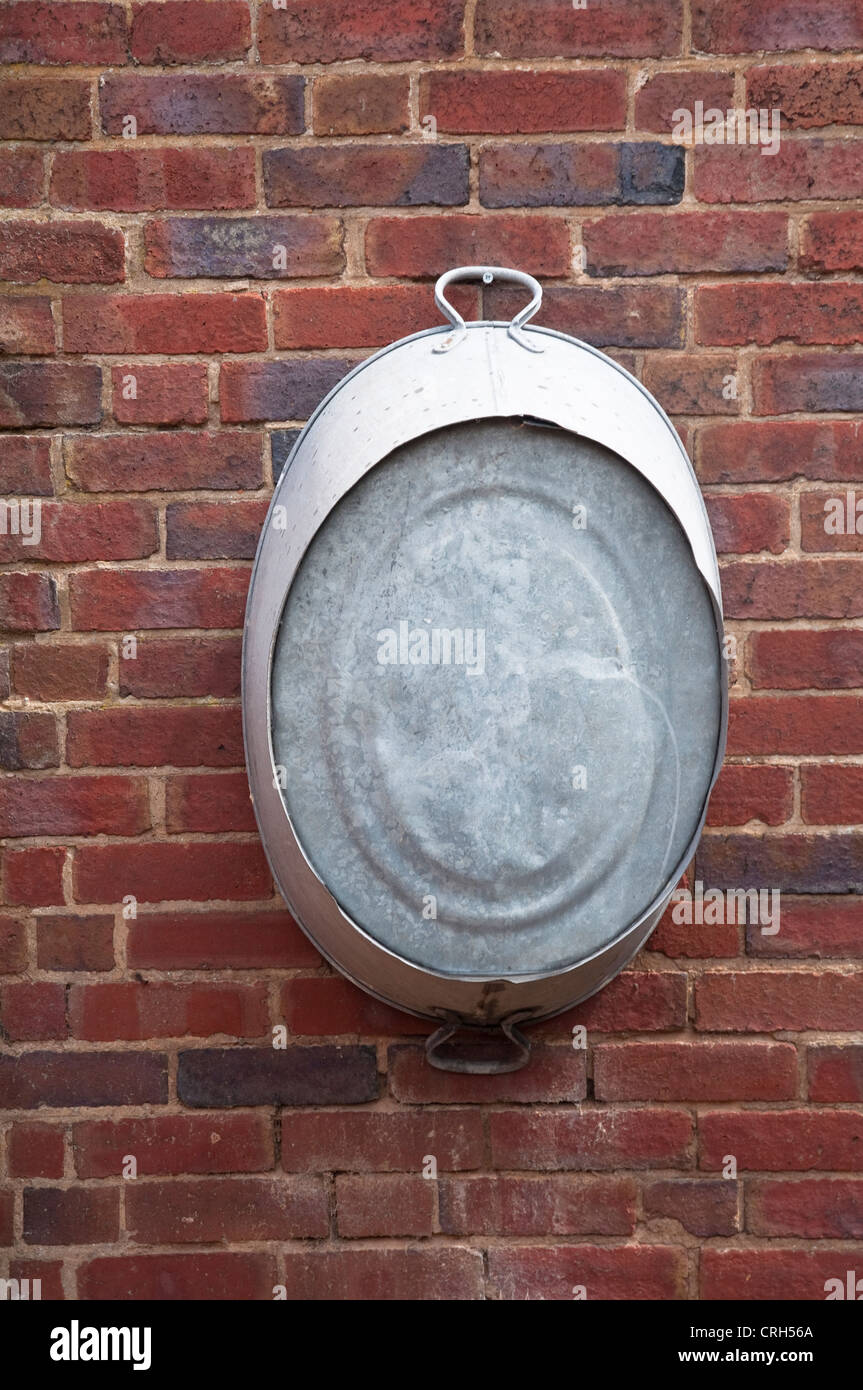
(488, 273)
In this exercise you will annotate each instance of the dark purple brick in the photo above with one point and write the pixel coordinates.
(572, 175)
(272, 1076)
(362, 175)
(278, 390)
(204, 104)
(212, 246)
(792, 863)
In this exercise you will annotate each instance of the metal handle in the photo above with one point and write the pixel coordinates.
(488, 273)
(479, 1066)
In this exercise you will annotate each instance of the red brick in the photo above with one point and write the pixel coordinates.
(799, 171)
(324, 31)
(696, 941)
(71, 1216)
(362, 317)
(44, 108)
(33, 877)
(185, 736)
(605, 1272)
(695, 1071)
(697, 384)
(701, 1206)
(763, 1001)
(361, 104)
(25, 466)
(832, 241)
(208, 803)
(219, 1276)
(785, 1273)
(767, 313)
(190, 31)
(650, 243)
(772, 451)
(832, 795)
(812, 926)
(226, 530)
(107, 601)
(33, 1012)
(265, 248)
(13, 945)
(187, 459)
(27, 327)
(171, 872)
(835, 1073)
(35, 32)
(524, 103)
(75, 943)
(572, 174)
(27, 741)
(734, 26)
(776, 1141)
(744, 793)
(213, 940)
(228, 1209)
(74, 806)
(164, 394)
(420, 246)
(817, 94)
(28, 603)
(164, 323)
(657, 99)
(331, 1005)
(182, 667)
(647, 1001)
(600, 1138)
(21, 176)
(138, 180)
(829, 588)
(60, 672)
(554, 1074)
(530, 1206)
(48, 1273)
(815, 1208)
(49, 393)
(553, 29)
(451, 1274)
(88, 1079)
(622, 316)
(71, 532)
(341, 176)
(35, 1150)
(157, 1009)
(174, 1144)
(810, 381)
(203, 104)
(820, 512)
(381, 1141)
(283, 390)
(748, 524)
(384, 1205)
(795, 724)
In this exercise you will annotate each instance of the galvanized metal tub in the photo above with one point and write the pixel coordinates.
(484, 694)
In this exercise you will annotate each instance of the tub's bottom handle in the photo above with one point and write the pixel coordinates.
(453, 1060)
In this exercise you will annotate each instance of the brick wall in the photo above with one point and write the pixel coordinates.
(177, 301)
